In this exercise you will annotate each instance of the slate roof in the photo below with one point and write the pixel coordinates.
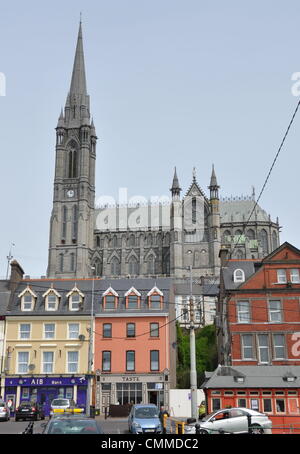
(255, 377)
(63, 286)
(248, 266)
(240, 210)
(4, 297)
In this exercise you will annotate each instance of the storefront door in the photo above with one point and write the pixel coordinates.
(81, 396)
(45, 397)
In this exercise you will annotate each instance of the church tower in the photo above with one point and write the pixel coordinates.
(72, 218)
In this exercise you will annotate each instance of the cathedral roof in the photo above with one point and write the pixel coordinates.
(239, 209)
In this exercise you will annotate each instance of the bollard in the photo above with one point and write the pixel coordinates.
(105, 413)
(197, 427)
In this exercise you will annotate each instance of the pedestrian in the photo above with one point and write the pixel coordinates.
(161, 416)
(202, 410)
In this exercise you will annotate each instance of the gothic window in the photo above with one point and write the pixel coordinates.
(72, 159)
(72, 261)
(98, 241)
(226, 237)
(115, 241)
(263, 236)
(239, 254)
(274, 240)
(133, 266)
(74, 222)
(151, 265)
(194, 210)
(167, 239)
(115, 267)
(251, 234)
(61, 263)
(238, 232)
(149, 239)
(64, 222)
(166, 264)
(132, 240)
(98, 267)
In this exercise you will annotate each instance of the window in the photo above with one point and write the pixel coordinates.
(295, 276)
(238, 276)
(267, 405)
(242, 403)
(64, 222)
(130, 332)
(51, 302)
(281, 277)
(247, 346)
(23, 360)
(279, 346)
(61, 263)
(72, 366)
(24, 332)
(132, 302)
(106, 361)
(154, 329)
(151, 265)
(254, 404)
(275, 311)
(27, 302)
(154, 360)
(243, 310)
(49, 331)
(115, 266)
(133, 266)
(155, 301)
(48, 358)
(263, 348)
(73, 330)
(74, 222)
(107, 330)
(216, 404)
(280, 406)
(130, 360)
(109, 302)
(75, 300)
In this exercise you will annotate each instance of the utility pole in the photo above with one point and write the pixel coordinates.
(193, 373)
(90, 353)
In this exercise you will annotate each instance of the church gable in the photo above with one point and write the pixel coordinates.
(286, 252)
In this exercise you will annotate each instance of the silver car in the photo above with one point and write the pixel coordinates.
(4, 411)
(61, 403)
(233, 420)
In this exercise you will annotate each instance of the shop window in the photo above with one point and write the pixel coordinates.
(107, 330)
(154, 329)
(72, 362)
(242, 403)
(106, 361)
(130, 330)
(25, 393)
(73, 330)
(293, 405)
(49, 330)
(254, 404)
(267, 405)
(280, 406)
(24, 331)
(69, 393)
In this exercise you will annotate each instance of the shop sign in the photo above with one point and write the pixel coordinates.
(45, 381)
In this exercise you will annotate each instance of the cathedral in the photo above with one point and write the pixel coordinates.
(160, 239)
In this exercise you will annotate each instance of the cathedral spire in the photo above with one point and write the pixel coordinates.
(213, 187)
(78, 82)
(175, 189)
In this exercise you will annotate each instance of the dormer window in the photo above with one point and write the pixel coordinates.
(110, 299)
(155, 298)
(28, 298)
(75, 299)
(133, 299)
(51, 299)
(238, 276)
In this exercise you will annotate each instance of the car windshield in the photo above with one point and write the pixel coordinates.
(26, 404)
(59, 402)
(146, 412)
(73, 426)
(207, 417)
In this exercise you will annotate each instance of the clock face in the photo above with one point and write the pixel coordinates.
(70, 193)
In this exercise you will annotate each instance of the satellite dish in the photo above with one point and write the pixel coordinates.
(31, 366)
(81, 337)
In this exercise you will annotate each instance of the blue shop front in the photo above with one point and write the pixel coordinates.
(43, 390)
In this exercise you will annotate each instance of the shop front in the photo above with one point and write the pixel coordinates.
(126, 390)
(44, 389)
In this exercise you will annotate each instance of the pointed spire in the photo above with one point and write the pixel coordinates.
(194, 174)
(175, 189)
(78, 82)
(213, 178)
(61, 120)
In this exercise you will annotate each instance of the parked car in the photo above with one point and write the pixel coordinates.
(61, 403)
(29, 410)
(4, 411)
(72, 424)
(144, 419)
(232, 420)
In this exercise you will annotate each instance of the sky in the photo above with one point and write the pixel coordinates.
(185, 83)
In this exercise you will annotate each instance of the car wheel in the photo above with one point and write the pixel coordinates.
(16, 419)
(203, 432)
(256, 429)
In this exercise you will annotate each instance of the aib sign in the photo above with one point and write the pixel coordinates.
(46, 381)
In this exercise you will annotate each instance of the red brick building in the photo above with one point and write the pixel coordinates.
(259, 310)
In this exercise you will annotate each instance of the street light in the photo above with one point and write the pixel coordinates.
(90, 353)
(193, 373)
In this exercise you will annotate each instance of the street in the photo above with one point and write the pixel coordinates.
(109, 426)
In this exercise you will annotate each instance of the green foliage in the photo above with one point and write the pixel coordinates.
(206, 354)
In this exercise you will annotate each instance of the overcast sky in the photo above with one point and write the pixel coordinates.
(186, 83)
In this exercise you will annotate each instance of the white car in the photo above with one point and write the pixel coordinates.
(4, 411)
(61, 403)
(232, 420)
